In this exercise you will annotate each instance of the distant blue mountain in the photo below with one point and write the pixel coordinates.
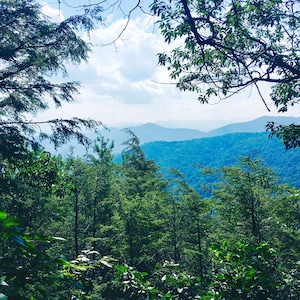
(225, 150)
(257, 125)
(146, 133)
(152, 132)
(183, 148)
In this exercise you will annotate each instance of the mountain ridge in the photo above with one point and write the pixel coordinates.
(151, 132)
(256, 125)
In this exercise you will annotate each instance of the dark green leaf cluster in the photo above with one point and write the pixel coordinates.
(231, 44)
(289, 134)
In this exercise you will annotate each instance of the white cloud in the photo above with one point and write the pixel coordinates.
(55, 14)
(121, 83)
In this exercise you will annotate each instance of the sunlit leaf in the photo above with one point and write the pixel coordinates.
(11, 222)
(57, 238)
(3, 215)
(3, 283)
(106, 263)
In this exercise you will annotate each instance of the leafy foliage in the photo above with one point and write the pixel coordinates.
(166, 240)
(228, 46)
(25, 269)
(34, 49)
(290, 135)
(245, 272)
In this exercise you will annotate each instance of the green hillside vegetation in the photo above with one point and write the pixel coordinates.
(220, 151)
(91, 228)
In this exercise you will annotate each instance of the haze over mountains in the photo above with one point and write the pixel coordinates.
(151, 132)
(257, 125)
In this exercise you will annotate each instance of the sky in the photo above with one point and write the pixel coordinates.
(122, 84)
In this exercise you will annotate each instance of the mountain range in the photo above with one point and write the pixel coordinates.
(151, 132)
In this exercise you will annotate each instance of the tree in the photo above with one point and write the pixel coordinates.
(231, 45)
(34, 49)
(190, 223)
(78, 192)
(283, 224)
(25, 186)
(242, 199)
(100, 174)
(140, 212)
(245, 271)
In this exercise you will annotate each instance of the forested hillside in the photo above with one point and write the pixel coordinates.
(225, 150)
(90, 228)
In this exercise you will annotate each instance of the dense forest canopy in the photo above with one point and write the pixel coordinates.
(90, 228)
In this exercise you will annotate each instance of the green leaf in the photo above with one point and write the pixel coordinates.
(251, 271)
(3, 215)
(63, 262)
(38, 237)
(11, 222)
(121, 268)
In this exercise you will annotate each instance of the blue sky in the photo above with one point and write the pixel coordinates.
(122, 84)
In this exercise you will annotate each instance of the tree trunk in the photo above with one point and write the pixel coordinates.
(76, 229)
